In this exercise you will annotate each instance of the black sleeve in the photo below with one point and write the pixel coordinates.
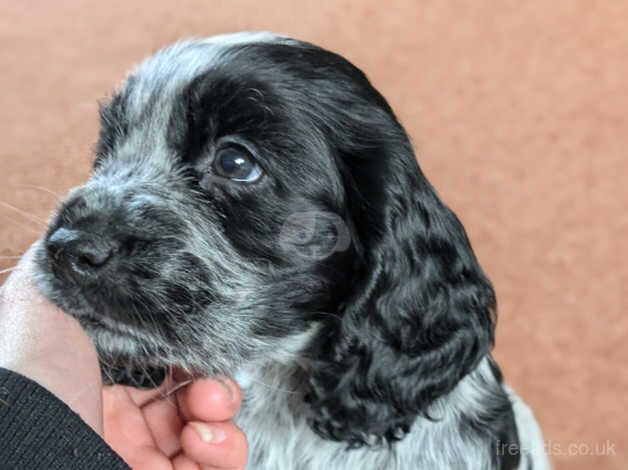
(37, 431)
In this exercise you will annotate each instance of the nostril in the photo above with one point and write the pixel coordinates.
(90, 253)
(80, 254)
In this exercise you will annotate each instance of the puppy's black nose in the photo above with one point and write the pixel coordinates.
(80, 254)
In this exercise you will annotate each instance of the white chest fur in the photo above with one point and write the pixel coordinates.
(274, 419)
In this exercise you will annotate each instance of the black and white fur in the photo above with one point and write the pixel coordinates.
(373, 356)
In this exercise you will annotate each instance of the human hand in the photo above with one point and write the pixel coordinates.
(147, 428)
(42, 343)
(161, 429)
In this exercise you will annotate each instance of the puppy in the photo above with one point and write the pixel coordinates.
(256, 210)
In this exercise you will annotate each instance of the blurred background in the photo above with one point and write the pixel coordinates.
(518, 110)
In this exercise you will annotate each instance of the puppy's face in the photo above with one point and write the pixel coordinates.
(211, 228)
(255, 197)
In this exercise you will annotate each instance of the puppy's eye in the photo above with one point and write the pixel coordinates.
(236, 163)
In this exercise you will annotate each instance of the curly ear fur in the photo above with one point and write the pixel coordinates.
(421, 313)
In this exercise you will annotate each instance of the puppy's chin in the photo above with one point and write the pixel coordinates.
(133, 375)
(125, 355)
(129, 354)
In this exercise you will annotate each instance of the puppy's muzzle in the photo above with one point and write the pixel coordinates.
(81, 256)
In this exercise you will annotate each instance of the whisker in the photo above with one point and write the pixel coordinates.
(146, 374)
(23, 213)
(8, 270)
(11, 257)
(24, 226)
(177, 387)
(106, 370)
(163, 395)
(40, 188)
(108, 364)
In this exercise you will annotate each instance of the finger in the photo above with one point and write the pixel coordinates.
(126, 431)
(147, 458)
(222, 445)
(165, 424)
(142, 396)
(124, 423)
(184, 462)
(210, 400)
(211, 467)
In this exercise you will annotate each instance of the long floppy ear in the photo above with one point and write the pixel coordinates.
(420, 315)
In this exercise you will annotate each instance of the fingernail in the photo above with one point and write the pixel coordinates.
(209, 434)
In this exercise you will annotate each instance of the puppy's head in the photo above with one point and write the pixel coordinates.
(252, 194)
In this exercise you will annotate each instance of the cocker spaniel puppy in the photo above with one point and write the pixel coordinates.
(256, 210)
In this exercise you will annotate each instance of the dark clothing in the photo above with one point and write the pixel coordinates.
(39, 431)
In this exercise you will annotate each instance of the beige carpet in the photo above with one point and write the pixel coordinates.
(518, 110)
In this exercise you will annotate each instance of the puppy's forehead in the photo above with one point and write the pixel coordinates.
(270, 90)
(159, 79)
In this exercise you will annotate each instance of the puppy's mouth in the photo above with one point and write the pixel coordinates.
(102, 324)
(127, 356)
(133, 349)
